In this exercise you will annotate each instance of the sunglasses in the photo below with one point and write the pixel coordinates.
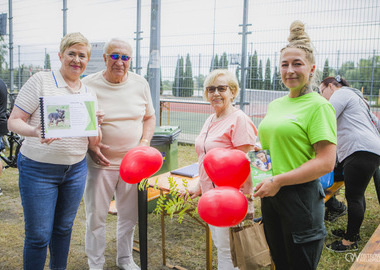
(220, 88)
(116, 56)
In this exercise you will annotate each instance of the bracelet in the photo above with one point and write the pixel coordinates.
(144, 140)
(249, 197)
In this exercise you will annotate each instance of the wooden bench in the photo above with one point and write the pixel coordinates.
(369, 257)
(331, 191)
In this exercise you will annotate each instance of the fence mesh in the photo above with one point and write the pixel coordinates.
(197, 34)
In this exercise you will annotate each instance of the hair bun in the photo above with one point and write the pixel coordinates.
(298, 34)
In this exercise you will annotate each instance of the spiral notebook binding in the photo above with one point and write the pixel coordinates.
(42, 117)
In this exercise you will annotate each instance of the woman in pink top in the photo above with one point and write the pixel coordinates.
(227, 128)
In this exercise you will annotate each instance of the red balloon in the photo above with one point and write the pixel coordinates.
(139, 163)
(223, 207)
(227, 167)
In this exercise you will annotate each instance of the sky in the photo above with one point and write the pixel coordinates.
(188, 26)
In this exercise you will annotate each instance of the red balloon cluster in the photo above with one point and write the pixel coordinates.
(139, 163)
(225, 205)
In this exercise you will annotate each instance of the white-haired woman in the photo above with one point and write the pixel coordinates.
(228, 128)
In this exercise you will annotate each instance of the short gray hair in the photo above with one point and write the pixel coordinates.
(114, 40)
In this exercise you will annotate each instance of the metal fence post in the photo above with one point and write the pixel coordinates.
(11, 46)
(64, 9)
(244, 34)
(138, 38)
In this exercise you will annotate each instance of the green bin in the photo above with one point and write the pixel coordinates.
(165, 141)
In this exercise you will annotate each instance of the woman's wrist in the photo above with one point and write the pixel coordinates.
(249, 197)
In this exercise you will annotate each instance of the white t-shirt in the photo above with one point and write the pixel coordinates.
(125, 105)
(66, 151)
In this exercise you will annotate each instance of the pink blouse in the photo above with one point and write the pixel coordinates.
(231, 132)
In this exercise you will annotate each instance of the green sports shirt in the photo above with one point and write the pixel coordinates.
(291, 127)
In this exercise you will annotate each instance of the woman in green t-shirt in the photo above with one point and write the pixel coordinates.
(299, 130)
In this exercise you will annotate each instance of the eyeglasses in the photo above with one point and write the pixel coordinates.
(323, 89)
(221, 88)
(116, 56)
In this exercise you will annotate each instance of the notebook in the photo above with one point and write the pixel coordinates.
(68, 116)
(188, 171)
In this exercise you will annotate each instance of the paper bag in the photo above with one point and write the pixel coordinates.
(249, 248)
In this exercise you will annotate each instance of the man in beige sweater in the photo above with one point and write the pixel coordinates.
(129, 122)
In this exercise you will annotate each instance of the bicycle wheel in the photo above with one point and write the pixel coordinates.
(14, 145)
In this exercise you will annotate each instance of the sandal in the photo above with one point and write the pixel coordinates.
(338, 246)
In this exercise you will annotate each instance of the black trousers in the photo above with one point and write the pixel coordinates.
(294, 226)
(376, 180)
(358, 169)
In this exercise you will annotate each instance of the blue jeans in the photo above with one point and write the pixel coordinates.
(50, 196)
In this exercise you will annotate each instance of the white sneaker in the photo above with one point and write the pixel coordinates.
(129, 266)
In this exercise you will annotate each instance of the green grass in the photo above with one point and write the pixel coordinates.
(185, 242)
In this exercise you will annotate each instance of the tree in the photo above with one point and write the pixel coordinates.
(237, 74)
(267, 82)
(252, 71)
(350, 65)
(364, 76)
(260, 76)
(188, 82)
(199, 80)
(3, 52)
(214, 63)
(223, 62)
(249, 82)
(178, 78)
(47, 64)
(326, 69)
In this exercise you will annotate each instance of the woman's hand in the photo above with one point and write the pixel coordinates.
(37, 133)
(192, 192)
(251, 208)
(267, 188)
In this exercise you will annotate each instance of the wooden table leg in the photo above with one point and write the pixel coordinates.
(163, 248)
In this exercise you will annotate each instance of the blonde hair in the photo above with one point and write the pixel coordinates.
(299, 39)
(72, 39)
(232, 81)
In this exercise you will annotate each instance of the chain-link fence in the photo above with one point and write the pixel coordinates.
(345, 34)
